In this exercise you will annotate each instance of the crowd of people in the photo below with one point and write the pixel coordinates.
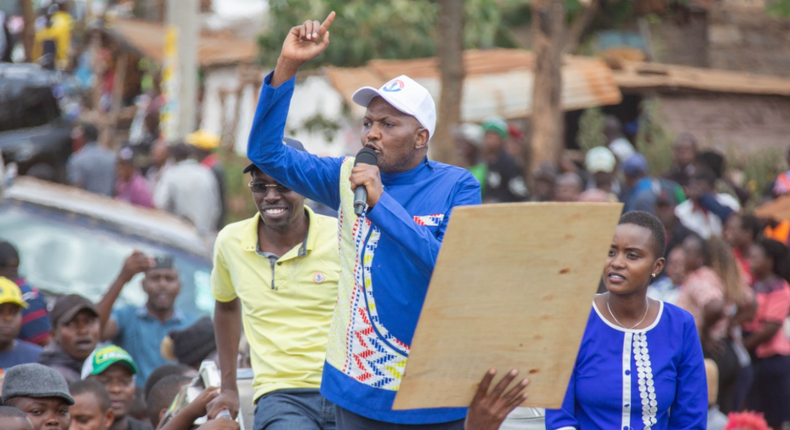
(186, 179)
(724, 265)
(97, 366)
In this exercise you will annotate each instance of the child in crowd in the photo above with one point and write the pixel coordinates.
(91, 409)
(162, 395)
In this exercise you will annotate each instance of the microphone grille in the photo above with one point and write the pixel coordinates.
(367, 156)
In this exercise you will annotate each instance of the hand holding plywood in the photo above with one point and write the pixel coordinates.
(512, 289)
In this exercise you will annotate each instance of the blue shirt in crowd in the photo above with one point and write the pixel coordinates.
(141, 334)
(22, 353)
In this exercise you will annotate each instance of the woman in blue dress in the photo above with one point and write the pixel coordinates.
(640, 364)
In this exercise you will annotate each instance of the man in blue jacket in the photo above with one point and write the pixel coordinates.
(388, 253)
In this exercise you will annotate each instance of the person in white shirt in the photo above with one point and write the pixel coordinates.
(190, 191)
(693, 215)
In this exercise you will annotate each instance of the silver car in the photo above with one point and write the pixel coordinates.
(73, 241)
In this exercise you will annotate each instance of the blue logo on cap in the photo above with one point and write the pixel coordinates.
(393, 86)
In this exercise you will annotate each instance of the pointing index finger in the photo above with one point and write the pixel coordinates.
(327, 22)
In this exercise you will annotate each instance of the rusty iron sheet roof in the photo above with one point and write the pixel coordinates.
(497, 82)
(148, 38)
(644, 76)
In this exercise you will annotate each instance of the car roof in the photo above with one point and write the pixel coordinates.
(26, 74)
(152, 224)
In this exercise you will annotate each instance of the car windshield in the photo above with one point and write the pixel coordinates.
(25, 107)
(65, 253)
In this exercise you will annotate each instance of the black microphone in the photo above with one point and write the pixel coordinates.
(366, 156)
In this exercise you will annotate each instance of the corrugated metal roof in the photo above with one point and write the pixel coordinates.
(498, 82)
(642, 76)
(213, 50)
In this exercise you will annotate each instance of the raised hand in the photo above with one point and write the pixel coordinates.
(303, 43)
(198, 407)
(134, 264)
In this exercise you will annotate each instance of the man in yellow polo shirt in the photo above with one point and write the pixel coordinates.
(277, 272)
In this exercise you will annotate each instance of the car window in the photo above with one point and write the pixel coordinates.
(65, 253)
(26, 107)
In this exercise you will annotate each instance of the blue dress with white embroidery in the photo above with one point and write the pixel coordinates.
(653, 378)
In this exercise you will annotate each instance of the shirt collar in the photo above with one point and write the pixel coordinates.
(249, 241)
(142, 312)
(422, 171)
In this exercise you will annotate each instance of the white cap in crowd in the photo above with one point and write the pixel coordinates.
(472, 133)
(599, 159)
(405, 95)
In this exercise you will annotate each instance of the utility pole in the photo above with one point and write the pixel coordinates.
(181, 68)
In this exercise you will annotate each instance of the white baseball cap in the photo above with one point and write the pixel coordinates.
(600, 159)
(405, 95)
(473, 133)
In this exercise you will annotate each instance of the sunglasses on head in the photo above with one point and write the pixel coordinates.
(261, 187)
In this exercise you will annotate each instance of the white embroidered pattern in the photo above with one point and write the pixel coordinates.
(359, 344)
(647, 390)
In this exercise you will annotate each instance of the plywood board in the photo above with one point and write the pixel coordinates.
(512, 288)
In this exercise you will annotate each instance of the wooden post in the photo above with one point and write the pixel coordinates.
(98, 72)
(117, 99)
(29, 32)
(450, 50)
(548, 30)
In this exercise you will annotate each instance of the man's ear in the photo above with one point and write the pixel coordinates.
(421, 141)
(162, 414)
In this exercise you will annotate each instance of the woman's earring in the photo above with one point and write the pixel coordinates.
(653, 275)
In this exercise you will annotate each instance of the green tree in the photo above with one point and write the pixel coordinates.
(363, 30)
(394, 29)
(780, 8)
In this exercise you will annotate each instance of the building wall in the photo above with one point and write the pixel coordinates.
(747, 39)
(733, 124)
(312, 96)
(681, 40)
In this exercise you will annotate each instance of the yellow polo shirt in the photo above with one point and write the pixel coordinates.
(286, 321)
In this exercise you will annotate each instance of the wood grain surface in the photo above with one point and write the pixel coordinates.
(512, 288)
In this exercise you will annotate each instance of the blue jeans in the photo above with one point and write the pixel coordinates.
(294, 409)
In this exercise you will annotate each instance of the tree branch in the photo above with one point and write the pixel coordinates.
(579, 25)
